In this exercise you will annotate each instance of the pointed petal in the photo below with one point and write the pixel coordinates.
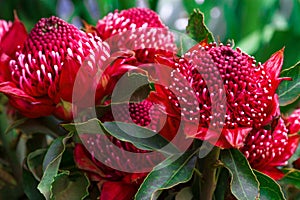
(229, 138)
(66, 81)
(27, 105)
(274, 64)
(15, 37)
(236, 137)
(5, 74)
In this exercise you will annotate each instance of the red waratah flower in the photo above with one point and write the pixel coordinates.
(113, 184)
(43, 71)
(268, 149)
(118, 183)
(150, 113)
(12, 37)
(248, 88)
(137, 29)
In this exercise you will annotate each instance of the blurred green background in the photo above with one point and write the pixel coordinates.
(258, 27)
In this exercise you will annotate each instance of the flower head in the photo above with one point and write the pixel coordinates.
(113, 184)
(268, 149)
(137, 29)
(217, 74)
(53, 49)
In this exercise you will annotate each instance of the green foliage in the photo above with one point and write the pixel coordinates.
(51, 164)
(142, 138)
(174, 170)
(34, 160)
(127, 91)
(289, 91)
(196, 28)
(66, 186)
(268, 188)
(244, 184)
(222, 185)
(30, 186)
(292, 177)
(247, 183)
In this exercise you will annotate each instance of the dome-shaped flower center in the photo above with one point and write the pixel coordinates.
(49, 43)
(247, 85)
(137, 29)
(145, 113)
(119, 22)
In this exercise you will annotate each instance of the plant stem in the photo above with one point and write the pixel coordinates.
(11, 153)
(208, 168)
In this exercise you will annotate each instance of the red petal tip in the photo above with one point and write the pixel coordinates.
(274, 64)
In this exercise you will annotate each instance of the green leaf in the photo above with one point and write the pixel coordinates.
(120, 130)
(287, 110)
(35, 161)
(292, 176)
(269, 189)
(67, 186)
(91, 126)
(197, 29)
(45, 125)
(132, 87)
(149, 140)
(51, 164)
(244, 184)
(222, 185)
(30, 186)
(174, 170)
(289, 91)
(204, 6)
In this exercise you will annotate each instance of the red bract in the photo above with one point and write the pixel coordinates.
(12, 37)
(248, 88)
(137, 29)
(42, 73)
(268, 149)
